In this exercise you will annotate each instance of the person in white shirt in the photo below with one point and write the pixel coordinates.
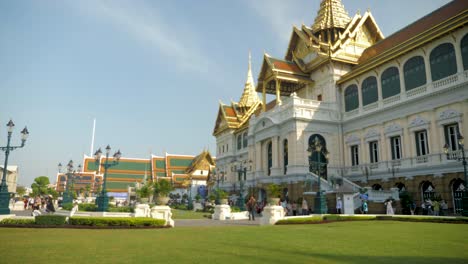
(339, 206)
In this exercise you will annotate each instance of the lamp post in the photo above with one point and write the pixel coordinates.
(68, 194)
(190, 202)
(461, 146)
(242, 177)
(4, 194)
(102, 199)
(367, 171)
(219, 177)
(394, 169)
(320, 206)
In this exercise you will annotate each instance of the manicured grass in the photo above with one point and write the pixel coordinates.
(338, 242)
(186, 214)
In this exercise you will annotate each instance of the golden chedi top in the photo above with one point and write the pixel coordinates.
(249, 96)
(331, 14)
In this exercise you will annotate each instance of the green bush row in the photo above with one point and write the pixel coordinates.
(12, 221)
(299, 221)
(317, 219)
(116, 221)
(90, 207)
(50, 220)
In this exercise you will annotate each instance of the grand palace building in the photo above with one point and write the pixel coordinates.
(382, 108)
(183, 171)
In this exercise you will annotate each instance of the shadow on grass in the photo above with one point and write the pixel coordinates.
(301, 256)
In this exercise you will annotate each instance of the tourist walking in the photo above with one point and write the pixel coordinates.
(251, 208)
(50, 205)
(305, 207)
(388, 203)
(429, 207)
(436, 206)
(365, 208)
(339, 206)
(444, 208)
(294, 208)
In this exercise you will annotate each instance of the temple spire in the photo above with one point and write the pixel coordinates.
(331, 15)
(249, 96)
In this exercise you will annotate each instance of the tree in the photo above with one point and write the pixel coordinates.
(88, 189)
(40, 185)
(20, 190)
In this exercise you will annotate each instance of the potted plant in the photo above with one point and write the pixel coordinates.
(161, 189)
(223, 195)
(144, 193)
(212, 197)
(274, 193)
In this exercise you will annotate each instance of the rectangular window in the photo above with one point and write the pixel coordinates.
(239, 142)
(395, 145)
(451, 136)
(223, 148)
(319, 97)
(355, 155)
(422, 146)
(374, 151)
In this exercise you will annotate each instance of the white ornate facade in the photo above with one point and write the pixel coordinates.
(382, 122)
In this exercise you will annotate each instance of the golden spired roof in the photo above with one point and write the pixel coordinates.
(331, 14)
(249, 96)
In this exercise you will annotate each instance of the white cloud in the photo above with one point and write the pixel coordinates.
(148, 25)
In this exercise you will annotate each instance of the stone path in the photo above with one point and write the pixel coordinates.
(186, 222)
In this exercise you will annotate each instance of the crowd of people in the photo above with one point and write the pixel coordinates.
(39, 204)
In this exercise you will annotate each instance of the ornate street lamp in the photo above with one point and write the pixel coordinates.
(219, 176)
(242, 177)
(320, 206)
(4, 194)
(463, 160)
(103, 200)
(67, 196)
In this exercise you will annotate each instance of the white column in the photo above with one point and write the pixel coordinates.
(275, 168)
(258, 159)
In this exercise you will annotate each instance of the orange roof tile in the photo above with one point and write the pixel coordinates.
(438, 16)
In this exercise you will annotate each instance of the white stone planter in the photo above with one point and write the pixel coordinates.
(162, 212)
(221, 212)
(271, 215)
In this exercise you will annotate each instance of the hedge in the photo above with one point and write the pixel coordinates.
(17, 221)
(299, 221)
(349, 217)
(116, 221)
(50, 219)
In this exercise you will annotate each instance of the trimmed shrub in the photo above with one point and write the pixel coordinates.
(87, 207)
(349, 217)
(67, 206)
(235, 209)
(116, 221)
(50, 220)
(300, 221)
(123, 209)
(18, 221)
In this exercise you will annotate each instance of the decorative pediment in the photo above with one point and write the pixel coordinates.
(372, 133)
(418, 121)
(393, 128)
(448, 114)
(353, 138)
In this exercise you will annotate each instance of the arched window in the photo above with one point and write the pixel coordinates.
(270, 157)
(244, 139)
(285, 156)
(369, 91)
(414, 72)
(351, 98)
(443, 61)
(239, 142)
(390, 82)
(317, 160)
(464, 51)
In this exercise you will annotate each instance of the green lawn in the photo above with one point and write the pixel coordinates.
(339, 242)
(186, 214)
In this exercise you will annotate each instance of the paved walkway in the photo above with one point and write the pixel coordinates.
(186, 222)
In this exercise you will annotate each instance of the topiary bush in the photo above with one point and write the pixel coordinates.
(301, 221)
(116, 221)
(123, 209)
(13, 221)
(50, 220)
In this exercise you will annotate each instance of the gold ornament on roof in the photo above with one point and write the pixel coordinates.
(331, 14)
(249, 96)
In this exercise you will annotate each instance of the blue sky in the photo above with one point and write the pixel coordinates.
(151, 72)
